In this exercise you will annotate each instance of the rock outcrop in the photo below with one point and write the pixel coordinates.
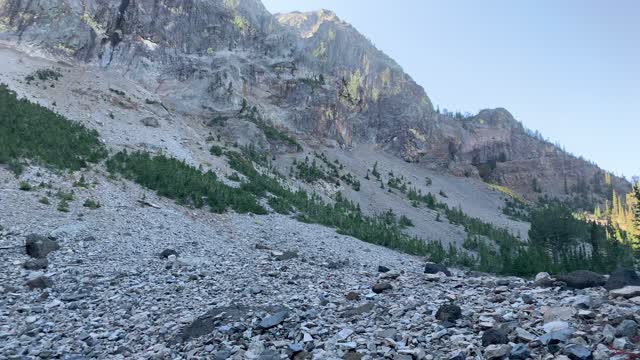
(310, 74)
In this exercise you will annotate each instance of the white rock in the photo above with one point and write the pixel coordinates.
(344, 334)
(541, 276)
(627, 292)
(555, 326)
(497, 351)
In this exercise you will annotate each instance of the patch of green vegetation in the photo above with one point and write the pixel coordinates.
(516, 209)
(66, 196)
(507, 191)
(276, 135)
(405, 221)
(30, 131)
(91, 204)
(216, 150)
(183, 183)
(82, 182)
(63, 206)
(118, 92)
(44, 200)
(311, 171)
(218, 121)
(25, 186)
(250, 113)
(44, 75)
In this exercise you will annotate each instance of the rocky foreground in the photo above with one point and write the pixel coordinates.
(150, 279)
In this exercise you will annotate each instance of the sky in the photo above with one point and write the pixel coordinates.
(570, 69)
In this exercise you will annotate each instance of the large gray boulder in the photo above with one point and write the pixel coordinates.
(621, 278)
(38, 246)
(582, 279)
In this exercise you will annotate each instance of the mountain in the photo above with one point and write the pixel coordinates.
(204, 57)
(203, 179)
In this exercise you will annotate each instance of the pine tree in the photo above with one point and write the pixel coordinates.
(636, 193)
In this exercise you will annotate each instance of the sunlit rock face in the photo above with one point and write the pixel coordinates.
(310, 73)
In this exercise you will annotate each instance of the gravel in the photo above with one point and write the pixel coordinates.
(232, 293)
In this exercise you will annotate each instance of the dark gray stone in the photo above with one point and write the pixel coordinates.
(520, 352)
(38, 246)
(168, 252)
(578, 352)
(36, 264)
(383, 269)
(449, 312)
(352, 296)
(274, 320)
(621, 278)
(494, 336)
(628, 328)
(582, 279)
(363, 309)
(431, 268)
(206, 323)
(40, 282)
(381, 287)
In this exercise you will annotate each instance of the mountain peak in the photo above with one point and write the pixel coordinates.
(308, 23)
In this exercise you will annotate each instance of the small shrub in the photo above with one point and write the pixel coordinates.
(216, 150)
(63, 206)
(91, 204)
(66, 196)
(405, 221)
(82, 182)
(442, 193)
(44, 75)
(234, 177)
(44, 200)
(25, 186)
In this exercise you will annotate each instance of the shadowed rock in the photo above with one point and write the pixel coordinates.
(38, 246)
(582, 279)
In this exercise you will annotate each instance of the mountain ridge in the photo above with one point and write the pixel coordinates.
(329, 84)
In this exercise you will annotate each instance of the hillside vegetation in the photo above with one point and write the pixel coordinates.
(31, 131)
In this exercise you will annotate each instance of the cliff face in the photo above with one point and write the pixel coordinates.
(310, 73)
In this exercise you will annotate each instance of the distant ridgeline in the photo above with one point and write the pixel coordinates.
(559, 239)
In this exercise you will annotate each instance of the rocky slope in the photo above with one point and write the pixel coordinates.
(165, 282)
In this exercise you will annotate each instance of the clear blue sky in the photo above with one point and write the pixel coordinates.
(569, 68)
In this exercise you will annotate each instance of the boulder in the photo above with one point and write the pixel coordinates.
(36, 264)
(273, 320)
(449, 312)
(626, 292)
(168, 252)
(38, 246)
(621, 278)
(582, 279)
(381, 287)
(431, 268)
(39, 282)
(578, 352)
(558, 313)
(352, 296)
(494, 337)
(543, 279)
(497, 351)
(383, 269)
(150, 121)
(282, 256)
(627, 328)
(520, 352)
